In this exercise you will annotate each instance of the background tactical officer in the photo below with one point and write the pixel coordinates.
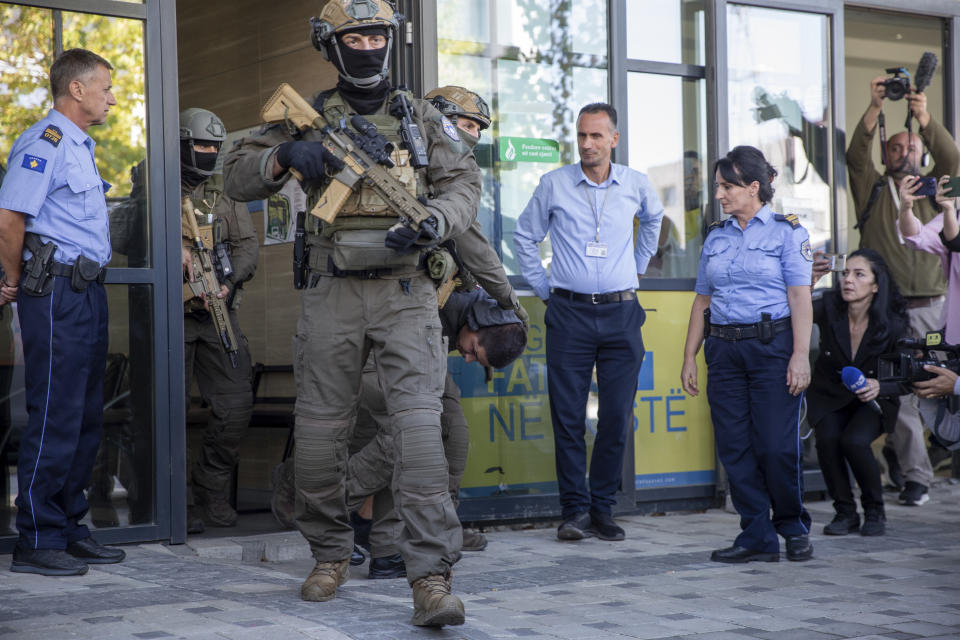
(225, 388)
(368, 292)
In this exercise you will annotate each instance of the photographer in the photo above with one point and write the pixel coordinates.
(933, 238)
(917, 275)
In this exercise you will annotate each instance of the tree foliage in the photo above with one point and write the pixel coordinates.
(27, 40)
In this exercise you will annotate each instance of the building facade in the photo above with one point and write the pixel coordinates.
(689, 78)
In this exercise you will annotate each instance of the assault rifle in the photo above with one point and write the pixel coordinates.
(206, 286)
(353, 149)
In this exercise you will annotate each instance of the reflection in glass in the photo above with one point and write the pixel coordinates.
(665, 30)
(121, 489)
(535, 89)
(667, 142)
(779, 102)
(26, 39)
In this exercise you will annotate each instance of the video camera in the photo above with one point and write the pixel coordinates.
(899, 85)
(906, 366)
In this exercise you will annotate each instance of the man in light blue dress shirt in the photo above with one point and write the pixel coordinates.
(604, 223)
(53, 213)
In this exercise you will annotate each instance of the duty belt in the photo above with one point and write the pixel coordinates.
(596, 298)
(734, 332)
(66, 270)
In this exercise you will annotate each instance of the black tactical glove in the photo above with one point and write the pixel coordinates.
(402, 238)
(308, 159)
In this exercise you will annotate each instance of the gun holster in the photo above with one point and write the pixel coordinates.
(765, 328)
(706, 323)
(37, 279)
(84, 272)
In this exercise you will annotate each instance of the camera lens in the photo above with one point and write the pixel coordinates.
(896, 88)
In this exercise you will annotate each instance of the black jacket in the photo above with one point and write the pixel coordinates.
(827, 392)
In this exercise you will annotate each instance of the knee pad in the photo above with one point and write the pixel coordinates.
(320, 457)
(422, 466)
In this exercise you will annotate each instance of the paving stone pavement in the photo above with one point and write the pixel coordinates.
(658, 583)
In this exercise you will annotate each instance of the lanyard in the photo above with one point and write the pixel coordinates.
(598, 215)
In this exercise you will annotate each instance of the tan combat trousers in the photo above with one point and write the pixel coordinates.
(342, 321)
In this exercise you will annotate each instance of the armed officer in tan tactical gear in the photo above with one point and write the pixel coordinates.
(225, 388)
(370, 467)
(368, 292)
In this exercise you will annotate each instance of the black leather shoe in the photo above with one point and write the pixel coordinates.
(842, 524)
(388, 567)
(576, 528)
(737, 555)
(799, 548)
(357, 558)
(605, 527)
(92, 552)
(46, 562)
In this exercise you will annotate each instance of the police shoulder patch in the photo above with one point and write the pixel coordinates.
(450, 129)
(790, 217)
(52, 134)
(806, 251)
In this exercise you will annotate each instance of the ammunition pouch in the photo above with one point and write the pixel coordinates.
(84, 272)
(364, 249)
(766, 328)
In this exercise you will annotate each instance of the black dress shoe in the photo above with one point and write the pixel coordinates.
(799, 548)
(842, 524)
(46, 562)
(605, 527)
(92, 552)
(576, 528)
(737, 555)
(388, 567)
(357, 558)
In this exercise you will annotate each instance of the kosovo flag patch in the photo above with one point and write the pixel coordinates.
(34, 163)
(52, 134)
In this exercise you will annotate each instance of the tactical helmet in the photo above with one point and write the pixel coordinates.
(200, 124)
(341, 16)
(456, 101)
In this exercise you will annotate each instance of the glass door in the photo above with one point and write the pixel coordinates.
(128, 496)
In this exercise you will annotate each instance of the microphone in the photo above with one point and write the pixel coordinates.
(925, 70)
(854, 380)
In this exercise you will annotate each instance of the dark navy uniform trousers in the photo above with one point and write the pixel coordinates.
(65, 348)
(756, 423)
(579, 336)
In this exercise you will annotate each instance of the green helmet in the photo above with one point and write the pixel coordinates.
(200, 124)
(454, 101)
(341, 16)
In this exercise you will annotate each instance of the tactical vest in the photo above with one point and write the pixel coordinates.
(204, 200)
(354, 241)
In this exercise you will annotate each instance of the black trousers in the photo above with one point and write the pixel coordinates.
(843, 438)
(581, 336)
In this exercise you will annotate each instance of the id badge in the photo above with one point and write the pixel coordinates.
(597, 249)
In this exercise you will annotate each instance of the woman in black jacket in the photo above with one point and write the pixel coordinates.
(858, 323)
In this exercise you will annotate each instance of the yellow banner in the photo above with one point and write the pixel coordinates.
(511, 438)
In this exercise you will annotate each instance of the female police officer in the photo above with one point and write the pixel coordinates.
(753, 305)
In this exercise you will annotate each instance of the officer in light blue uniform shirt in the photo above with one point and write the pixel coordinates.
(593, 318)
(754, 314)
(53, 216)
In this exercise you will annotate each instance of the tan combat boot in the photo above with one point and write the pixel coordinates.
(433, 605)
(321, 585)
(215, 508)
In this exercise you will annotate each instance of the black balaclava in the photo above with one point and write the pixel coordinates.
(196, 167)
(365, 63)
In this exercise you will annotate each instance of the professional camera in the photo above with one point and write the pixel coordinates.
(899, 85)
(906, 366)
